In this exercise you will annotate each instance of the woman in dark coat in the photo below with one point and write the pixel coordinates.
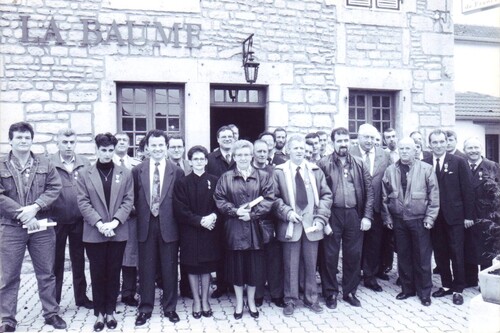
(105, 199)
(199, 230)
(235, 190)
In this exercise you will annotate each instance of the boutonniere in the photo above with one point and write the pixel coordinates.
(480, 174)
(209, 184)
(446, 167)
(117, 178)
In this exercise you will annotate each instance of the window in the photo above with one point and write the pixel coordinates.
(491, 149)
(380, 4)
(373, 107)
(237, 96)
(145, 107)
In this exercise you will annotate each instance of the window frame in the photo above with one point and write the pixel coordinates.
(376, 4)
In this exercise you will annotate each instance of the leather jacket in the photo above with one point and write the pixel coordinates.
(421, 200)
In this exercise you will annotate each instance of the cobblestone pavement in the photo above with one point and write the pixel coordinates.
(380, 312)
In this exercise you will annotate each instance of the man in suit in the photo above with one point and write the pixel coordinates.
(410, 205)
(351, 215)
(451, 144)
(314, 139)
(478, 244)
(220, 161)
(157, 230)
(176, 149)
(303, 206)
(377, 161)
(68, 217)
(456, 213)
(28, 186)
(270, 139)
(130, 261)
(280, 136)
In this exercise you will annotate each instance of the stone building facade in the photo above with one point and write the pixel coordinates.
(112, 65)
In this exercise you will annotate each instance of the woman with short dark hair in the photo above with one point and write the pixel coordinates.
(105, 199)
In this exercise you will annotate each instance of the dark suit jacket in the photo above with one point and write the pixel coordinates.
(455, 189)
(460, 154)
(92, 203)
(217, 164)
(168, 225)
(382, 161)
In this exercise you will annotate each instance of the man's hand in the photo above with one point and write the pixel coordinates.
(113, 224)
(389, 225)
(32, 224)
(427, 225)
(294, 217)
(27, 213)
(366, 224)
(468, 223)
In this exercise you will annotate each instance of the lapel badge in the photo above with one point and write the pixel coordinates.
(75, 175)
(117, 178)
(480, 174)
(446, 167)
(209, 184)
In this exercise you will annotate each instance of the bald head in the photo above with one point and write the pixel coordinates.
(407, 149)
(366, 136)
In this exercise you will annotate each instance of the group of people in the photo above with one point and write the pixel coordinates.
(271, 212)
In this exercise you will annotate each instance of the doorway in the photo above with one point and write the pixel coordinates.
(243, 106)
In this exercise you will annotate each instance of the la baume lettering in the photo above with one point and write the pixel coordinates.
(93, 33)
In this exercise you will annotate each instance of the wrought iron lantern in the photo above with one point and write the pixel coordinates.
(250, 66)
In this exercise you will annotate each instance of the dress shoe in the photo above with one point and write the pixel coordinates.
(259, 301)
(237, 315)
(130, 301)
(382, 276)
(98, 326)
(374, 286)
(352, 300)
(142, 318)
(278, 302)
(426, 301)
(254, 314)
(88, 304)
(111, 323)
(314, 307)
(402, 296)
(288, 309)
(7, 328)
(57, 322)
(331, 302)
(218, 293)
(458, 299)
(441, 292)
(172, 316)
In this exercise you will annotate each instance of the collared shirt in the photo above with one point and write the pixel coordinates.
(22, 173)
(293, 170)
(245, 173)
(161, 169)
(476, 164)
(371, 155)
(441, 160)
(69, 166)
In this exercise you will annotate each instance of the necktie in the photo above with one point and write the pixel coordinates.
(155, 200)
(122, 162)
(438, 167)
(300, 191)
(368, 162)
(473, 166)
(228, 158)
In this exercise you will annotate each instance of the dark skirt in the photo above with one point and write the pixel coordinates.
(245, 267)
(201, 268)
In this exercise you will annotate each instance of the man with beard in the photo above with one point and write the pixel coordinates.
(351, 214)
(391, 141)
(377, 161)
(270, 139)
(280, 137)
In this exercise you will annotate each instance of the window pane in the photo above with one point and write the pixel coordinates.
(361, 114)
(352, 113)
(242, 96)
(386, 101)
(352, 126)
(161, 109)
(173, 124)
(141, 109)
(360, 3)
(360, 100)
(160, 95)
(375, 101)
(386, 114)
(161, 123)
(173, 96)
(127, 95)
(140, 124)
(127, 109)
(376, 114)
(128, 124)
(219, 95)
(253, 96)
(174, 110)
(140, 95)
